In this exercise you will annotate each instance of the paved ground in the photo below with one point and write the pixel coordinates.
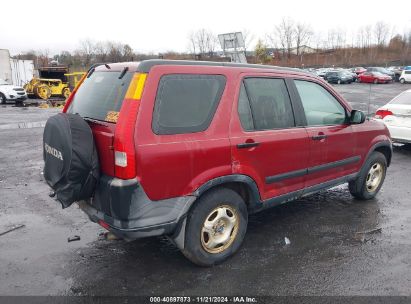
(325, 257)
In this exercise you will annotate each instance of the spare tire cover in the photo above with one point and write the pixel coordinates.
(71, 166)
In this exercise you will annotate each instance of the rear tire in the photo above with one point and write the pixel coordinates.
(375, 81)
(216, 227)
(371, 177)
(402, 80)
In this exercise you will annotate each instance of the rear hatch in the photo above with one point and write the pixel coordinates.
(98, 100)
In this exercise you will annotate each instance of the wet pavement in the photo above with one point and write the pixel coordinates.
(339, 246)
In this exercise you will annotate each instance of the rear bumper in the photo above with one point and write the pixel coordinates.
(400, 134)
(125, 209)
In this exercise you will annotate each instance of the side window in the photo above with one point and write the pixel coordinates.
(320, 107)
(186, 103)
(264, 104)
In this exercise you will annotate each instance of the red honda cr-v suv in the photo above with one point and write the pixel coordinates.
(190, 149)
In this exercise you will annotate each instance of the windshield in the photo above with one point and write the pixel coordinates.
(378, 74)
(403, 98)
(2, 82)
(101, 95)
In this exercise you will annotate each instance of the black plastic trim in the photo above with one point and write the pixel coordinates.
(278, 200)
(385, 143)
(234, 178)
(125, 207)
(338, 163)
(299, 116)
(248, 145)
(280, 177)
(302, 172)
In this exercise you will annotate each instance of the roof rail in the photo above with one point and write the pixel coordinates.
(146, 65)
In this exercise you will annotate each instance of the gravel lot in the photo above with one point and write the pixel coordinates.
(326, 256)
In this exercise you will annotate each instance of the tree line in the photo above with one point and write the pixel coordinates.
(289, 42)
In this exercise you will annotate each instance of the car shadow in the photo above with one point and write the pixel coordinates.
(317, 226)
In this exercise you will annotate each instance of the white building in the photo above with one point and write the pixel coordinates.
(15, 71)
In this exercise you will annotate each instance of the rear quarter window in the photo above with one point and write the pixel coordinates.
(186, 103)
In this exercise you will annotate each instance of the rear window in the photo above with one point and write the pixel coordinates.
(101, 95)
(404, 98)
(186, 103)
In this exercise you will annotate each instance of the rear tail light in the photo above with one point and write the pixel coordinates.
(124, 148)
(382, 113)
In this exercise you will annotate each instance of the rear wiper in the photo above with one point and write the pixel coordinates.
(91, 72)
(123, 73)
(96, 121)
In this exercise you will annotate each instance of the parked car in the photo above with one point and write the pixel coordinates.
(374, 77)
(359, 70)
(405, 76)
(322, 72)
(383, 71)
(190, 149)
(352, 74)
(338, 77)
(397, 116)
(11, 93)
(397, 70)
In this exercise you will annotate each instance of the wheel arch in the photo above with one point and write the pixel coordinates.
(384, 147)
(244, 185)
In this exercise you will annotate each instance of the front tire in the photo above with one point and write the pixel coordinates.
(371, 177)
(216, 227)
(2, 98)
(402, 80)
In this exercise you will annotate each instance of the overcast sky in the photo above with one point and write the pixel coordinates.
(161, 25)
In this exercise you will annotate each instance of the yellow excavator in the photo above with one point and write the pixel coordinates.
(53, 81)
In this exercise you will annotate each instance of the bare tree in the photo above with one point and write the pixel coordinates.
(381, 32)
(336, 38)
(285, 32)
(43, 57)
(87, 50)
(192, 43)
(303, 35)
(368, 35)
(101, 50)
(128, 54)
(203, 42)
(248, 39)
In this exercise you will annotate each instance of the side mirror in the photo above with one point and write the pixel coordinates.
(357, 117)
